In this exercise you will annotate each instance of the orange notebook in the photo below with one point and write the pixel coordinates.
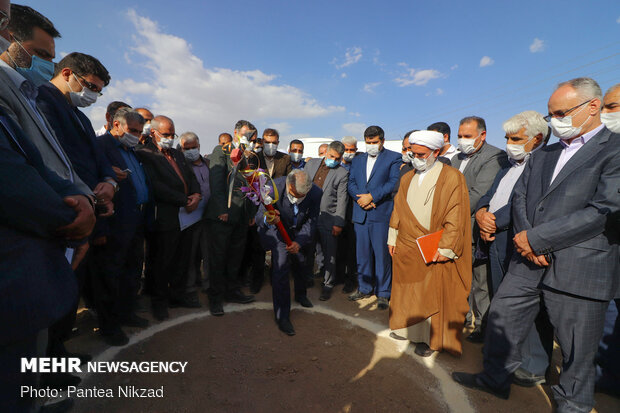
(428, 245)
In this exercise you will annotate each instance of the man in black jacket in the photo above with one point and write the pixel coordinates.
(174, 186)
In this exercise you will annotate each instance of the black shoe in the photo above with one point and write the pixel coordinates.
(476, 336)
(84, 358)
(59, 381)
(285, 326)
(358, 295)
(326, 293)
(58, 407)
(348, 288)
(304, 301)
(132, 320)
(186, 302)
(474, 382)
(215, 307)
(524, 378)
(115, 338)
(237, 296)
(383, 303)
(423, 350)
(160, 312)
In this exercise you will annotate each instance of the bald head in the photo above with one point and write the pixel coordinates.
(161, 121)
(162, 127)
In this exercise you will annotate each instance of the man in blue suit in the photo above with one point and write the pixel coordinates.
(372, 178)
(40, 214)
(525, 133)
(298, 210)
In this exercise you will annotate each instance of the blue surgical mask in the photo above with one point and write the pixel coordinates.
(39, 72)
(331, 163)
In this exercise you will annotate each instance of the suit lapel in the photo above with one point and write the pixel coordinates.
(374, 167)
(549, 165)
(312, 169)
(7, 128)
(589, 150)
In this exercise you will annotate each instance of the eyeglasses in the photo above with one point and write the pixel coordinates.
(87, 84)
(4, 20)
(167, 135)
(561, 114)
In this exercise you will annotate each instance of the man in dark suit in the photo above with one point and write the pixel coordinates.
(346, 265)
(33, 38)
(371, 179)
(276, 163)
(565, 208)
(298, 210)
(173, 186)
(480, 162)
(525, 133)
(78, 80)
(40, 214)
(120, 256)
(230, 223)
(332, 178)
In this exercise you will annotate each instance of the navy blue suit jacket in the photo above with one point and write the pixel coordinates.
(383, 178)
(37, 285)
(303, 233)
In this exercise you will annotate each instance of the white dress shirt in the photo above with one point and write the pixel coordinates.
(572, 148)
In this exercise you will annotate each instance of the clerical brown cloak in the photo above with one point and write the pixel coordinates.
(440, 290)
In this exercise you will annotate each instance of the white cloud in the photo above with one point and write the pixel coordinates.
(203, 99)
(283, 128)
(356, 114)
(370, 87)
(486, 61)
(355, 129)
(351, 56)
(454, 67)
(618, 20)
(415, 76)
(537, 45)
(343, 75)
(439, 91)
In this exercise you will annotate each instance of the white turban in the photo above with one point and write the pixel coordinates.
(431, 139)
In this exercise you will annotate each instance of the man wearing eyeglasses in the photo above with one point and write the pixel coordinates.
(565, 208)
(174, 186)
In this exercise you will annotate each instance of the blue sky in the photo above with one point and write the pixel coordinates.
(331, 68)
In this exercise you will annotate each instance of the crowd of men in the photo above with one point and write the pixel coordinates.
(523, 243)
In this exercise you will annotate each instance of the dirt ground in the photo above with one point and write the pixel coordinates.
(241, 362)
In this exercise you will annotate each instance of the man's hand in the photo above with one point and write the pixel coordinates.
(192, 202)
(391, 250)
(486, 221)
(84, 222)
(109, 208)
(120, 175)
(336, 230)
(539, 260)
(293, 248)
(223, 217)
(522, 245)
(78, 255)
(364, 200)
(439, 258)
(272, 217)
(486, 236)
(104, 191)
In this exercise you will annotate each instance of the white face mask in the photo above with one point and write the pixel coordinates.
(129, 140)
(295, 157)
(406, 158)
(146, 129)
(563, 127)
(258, 149)
(83, 98)
(372, 149)
(270, 149)
(611, 121)
(468, 146)
(294, 200)
(166, 143)
(348, 157)
(420, 164)
(191, 155)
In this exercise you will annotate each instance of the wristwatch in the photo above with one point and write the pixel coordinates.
(113, 183)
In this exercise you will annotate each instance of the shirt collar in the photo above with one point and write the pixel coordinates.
(13, 74)
(580, 141)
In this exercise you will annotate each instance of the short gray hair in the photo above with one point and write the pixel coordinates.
(585, 87)
(336, 146)
(533, 122)
(612, 89)
(300, 180)
(125, 114)
(188, 137)
(349, 140)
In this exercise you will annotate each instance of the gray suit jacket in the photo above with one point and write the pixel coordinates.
(479, 174)
(335, 199)
(40, 134)
(572, 219)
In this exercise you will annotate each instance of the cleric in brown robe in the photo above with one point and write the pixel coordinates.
(429, 302)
